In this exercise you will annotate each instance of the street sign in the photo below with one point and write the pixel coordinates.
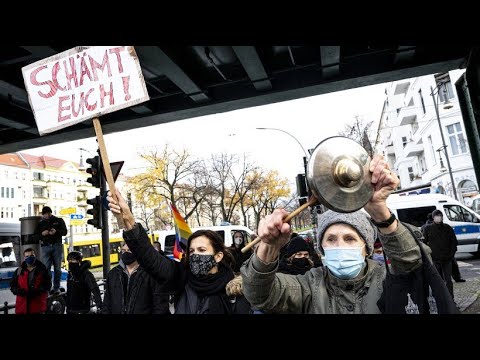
(76, 216)
(77, 222)
(116, 167)
(66, 211)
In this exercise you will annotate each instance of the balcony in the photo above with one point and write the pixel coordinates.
(412, 149)
(407, 115)
(389, 150)
(81, 201)
(401, 88)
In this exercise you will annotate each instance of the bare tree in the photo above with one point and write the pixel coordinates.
(358, 130)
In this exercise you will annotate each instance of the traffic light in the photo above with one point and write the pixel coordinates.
(95, 170)
(302, 191)
(96, 212)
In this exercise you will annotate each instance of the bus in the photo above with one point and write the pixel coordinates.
(92, 249)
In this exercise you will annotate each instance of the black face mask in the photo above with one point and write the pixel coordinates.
(302, 263)
(200, 265)
(128, 258)
(73, 267)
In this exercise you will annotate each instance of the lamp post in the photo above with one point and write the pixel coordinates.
(313, 212)
(447, 105)
(81, 165)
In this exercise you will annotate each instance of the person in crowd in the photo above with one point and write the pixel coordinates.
(442, 240)
(50, 230)
(157, 246)
(349, 282)
(31, 283)
(236, 249)
(455, 269)
(81, 285)
(297, 258)
(378, 252)
(129, 289)
(200, 279)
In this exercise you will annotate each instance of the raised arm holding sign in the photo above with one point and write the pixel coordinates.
(84, 83)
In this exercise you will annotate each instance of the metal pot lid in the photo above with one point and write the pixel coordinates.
(338, 174)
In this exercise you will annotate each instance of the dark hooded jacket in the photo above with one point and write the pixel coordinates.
(194, 295)
(80, 285)
(137, 293)
(31, 288)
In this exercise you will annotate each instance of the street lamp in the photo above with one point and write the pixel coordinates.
(442, 167)
(286, 132)
(81, 165)
(447, 105)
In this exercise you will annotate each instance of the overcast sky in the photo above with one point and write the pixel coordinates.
(310, 120)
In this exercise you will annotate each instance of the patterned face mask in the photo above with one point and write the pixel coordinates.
(200, 265)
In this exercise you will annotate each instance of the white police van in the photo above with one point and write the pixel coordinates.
(167, 237)
(413, 209)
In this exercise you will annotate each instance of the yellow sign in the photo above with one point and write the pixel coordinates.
(67, 211)
(76, 222)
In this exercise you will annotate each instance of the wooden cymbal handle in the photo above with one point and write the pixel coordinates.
(311, 202)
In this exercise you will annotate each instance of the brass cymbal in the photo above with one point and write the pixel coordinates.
(338, 174)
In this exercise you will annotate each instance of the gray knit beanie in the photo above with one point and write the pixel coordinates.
(358, 220)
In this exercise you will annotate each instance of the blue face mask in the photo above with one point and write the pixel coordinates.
(378, 257)
(344, 262)
(30, 260)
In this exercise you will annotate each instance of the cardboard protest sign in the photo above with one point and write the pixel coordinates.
(83, 83)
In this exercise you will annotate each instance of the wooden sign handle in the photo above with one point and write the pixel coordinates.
(106, 164)
(311, 202)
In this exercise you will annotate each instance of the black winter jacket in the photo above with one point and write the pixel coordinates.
(173, 274)
(138, 293)
(52, 223)
(80, 285)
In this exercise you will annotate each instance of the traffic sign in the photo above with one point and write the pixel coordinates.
(77, 222)
(66, 211)
(76, 216)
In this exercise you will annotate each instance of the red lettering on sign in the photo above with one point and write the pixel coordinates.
(95, 65)
(103, 93)
(126, 83)
(34, 81)
(61, 108)
(116, 51)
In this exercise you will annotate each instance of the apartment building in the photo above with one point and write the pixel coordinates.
(409, 135)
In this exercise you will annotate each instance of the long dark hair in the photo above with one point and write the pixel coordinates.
(217, 243)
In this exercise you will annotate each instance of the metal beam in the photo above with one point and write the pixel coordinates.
(253, 66)
(218, 107)
(404, 54)
(330, 58)
(155, 60)
(40, 52)
(16, 92)
(19, 126)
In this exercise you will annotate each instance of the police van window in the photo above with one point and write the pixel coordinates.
(7, 255)
(415, 216)
(222, 235)
(458, 213)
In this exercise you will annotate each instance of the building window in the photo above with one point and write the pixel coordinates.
(37, 176)
(3, 194)
(7, 193)
(422, 164)
(432, 151)
(410, 173)
(421, 101)
(404, 141)
(446, 91)
(457, 141)
(12, 193)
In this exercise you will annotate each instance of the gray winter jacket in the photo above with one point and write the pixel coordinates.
(319, 292)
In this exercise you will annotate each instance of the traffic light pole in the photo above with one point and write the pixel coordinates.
(105, 232)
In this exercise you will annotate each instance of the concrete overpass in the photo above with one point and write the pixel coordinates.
(191, 81)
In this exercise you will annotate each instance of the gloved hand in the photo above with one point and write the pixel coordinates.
(105, 201)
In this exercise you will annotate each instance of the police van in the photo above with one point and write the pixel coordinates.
(413, 209)
(167, 237)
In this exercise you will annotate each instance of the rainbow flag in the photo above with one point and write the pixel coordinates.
(182, 232)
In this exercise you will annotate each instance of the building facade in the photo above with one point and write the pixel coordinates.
(15, 188)
(410, 138)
